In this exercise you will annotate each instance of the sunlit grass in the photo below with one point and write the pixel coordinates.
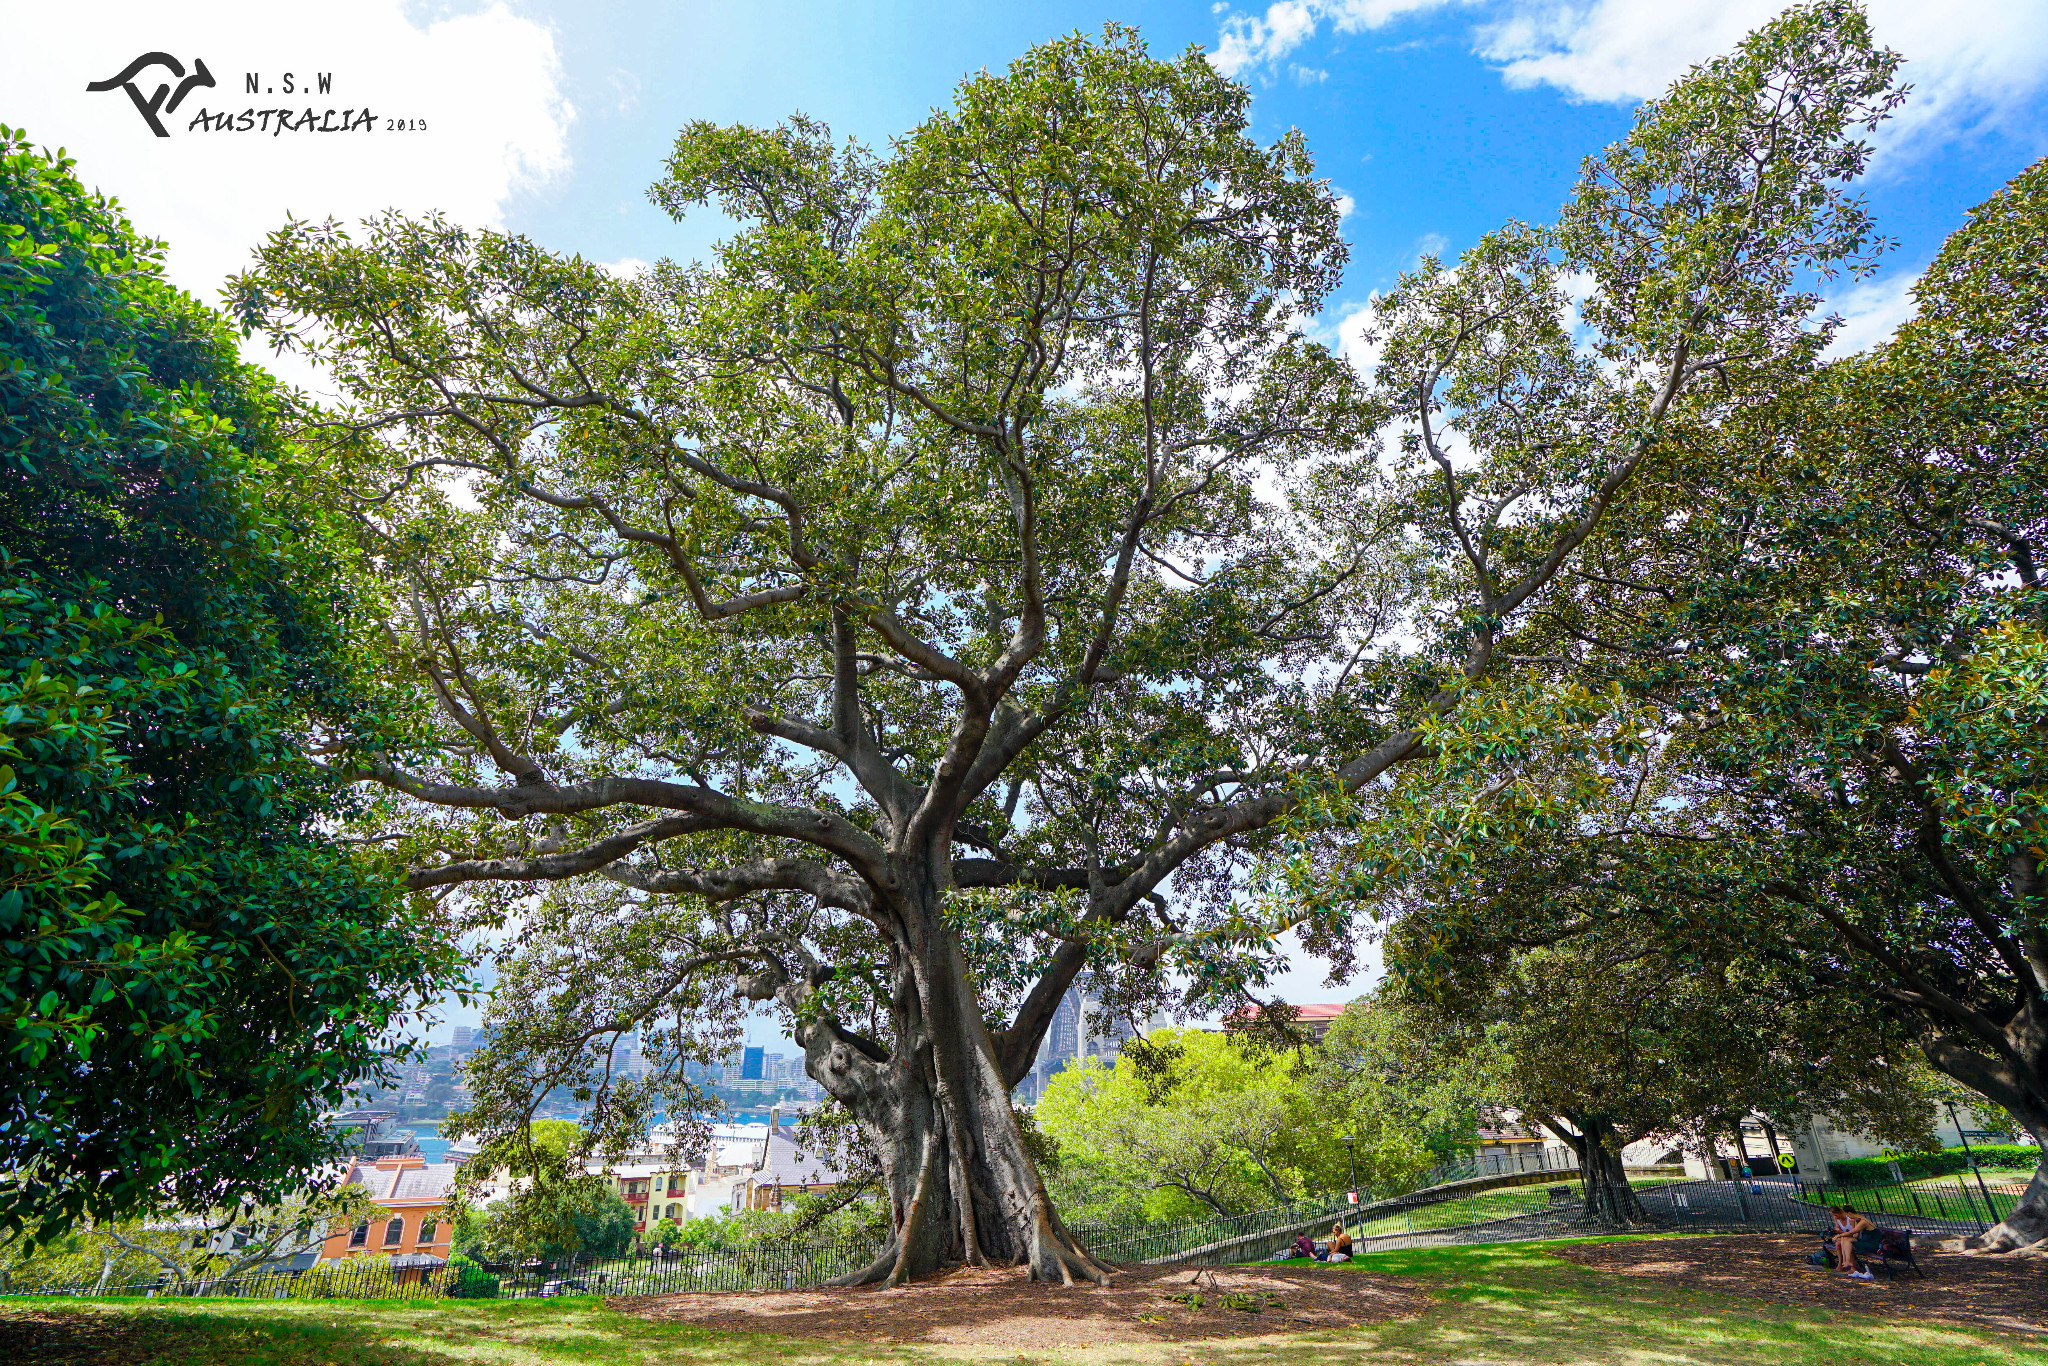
(1505, 1305)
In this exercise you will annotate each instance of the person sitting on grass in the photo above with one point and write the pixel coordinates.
(1340, 1245)
(1853, 1234)
(1305, 1246)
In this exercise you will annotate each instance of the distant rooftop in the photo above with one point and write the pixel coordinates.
(408, 1179)
(789, 1165)
(1315, 1017)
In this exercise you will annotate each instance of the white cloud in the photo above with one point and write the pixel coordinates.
(1247, 41)
(1871, 311)
(1352, 342)
(487, 83)
(1346, 206)
(1967, 59)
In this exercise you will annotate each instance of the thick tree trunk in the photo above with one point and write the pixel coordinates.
(1610, 1199)
(961, 1185)
(2024, 1229)
(2019, 1082)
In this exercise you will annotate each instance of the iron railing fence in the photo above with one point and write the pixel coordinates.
(1941, 1209)
(1140, 1242)
(1152, 1241)
(1940, 1204)
(1490, 1164)
(752, 1266)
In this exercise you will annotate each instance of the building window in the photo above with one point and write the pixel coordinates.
(427, 1231)
(361, 1236)
(394, 1232)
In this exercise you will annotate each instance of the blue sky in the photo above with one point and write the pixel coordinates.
(1425, 132)
(1440, 119)
(1424, 137)
(1436, 121)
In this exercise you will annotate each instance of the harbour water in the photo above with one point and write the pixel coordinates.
(427, 1133)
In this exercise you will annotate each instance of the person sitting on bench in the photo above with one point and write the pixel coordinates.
(1853, 1234)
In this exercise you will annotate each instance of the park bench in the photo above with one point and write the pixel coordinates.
(1894, 1245)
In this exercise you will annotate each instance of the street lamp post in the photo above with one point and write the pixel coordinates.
(1351, 1146)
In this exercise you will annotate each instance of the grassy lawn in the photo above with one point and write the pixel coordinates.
(1503, 1305)
(1994, 1176)
(1944, 1197)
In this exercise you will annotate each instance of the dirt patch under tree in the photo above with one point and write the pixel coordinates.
(1985, 1292)
(998, 1307)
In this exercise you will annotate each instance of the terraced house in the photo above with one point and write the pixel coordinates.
(412, 1189)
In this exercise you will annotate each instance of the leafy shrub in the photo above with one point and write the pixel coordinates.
(465, 1280)
(1877, 1171)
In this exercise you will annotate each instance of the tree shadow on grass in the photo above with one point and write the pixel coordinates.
(1515, 1306)
(134, 1335)
(367, 1333)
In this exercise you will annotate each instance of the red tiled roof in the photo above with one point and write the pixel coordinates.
(1320, 1013)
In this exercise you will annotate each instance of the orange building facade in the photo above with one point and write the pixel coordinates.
(412, 1189)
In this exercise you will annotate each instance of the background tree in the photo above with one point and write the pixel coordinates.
(556, 1206)
(1384, 1078)
(1608, 1035)
(887, 615)
(1823, 636)
(1214, 1123)
(189, 1254)
(553, 1223)
(191, 967)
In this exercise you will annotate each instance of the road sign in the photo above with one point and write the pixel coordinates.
(1787, 1162)
(1353, 1197)
(1982, 1134)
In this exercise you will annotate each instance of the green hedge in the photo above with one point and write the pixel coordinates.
(1876, 1171)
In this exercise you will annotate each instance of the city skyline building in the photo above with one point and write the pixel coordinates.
(1071, 1037)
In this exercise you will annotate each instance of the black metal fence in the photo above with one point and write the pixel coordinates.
(1936, 1207)
(752, 1266)
(1505, 1163)
(1151, 1242)
(1140, 1242)
(1933, 1208)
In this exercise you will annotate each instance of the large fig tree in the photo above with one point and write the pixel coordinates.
(946, 587)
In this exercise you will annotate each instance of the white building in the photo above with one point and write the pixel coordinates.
(1818, 1142)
